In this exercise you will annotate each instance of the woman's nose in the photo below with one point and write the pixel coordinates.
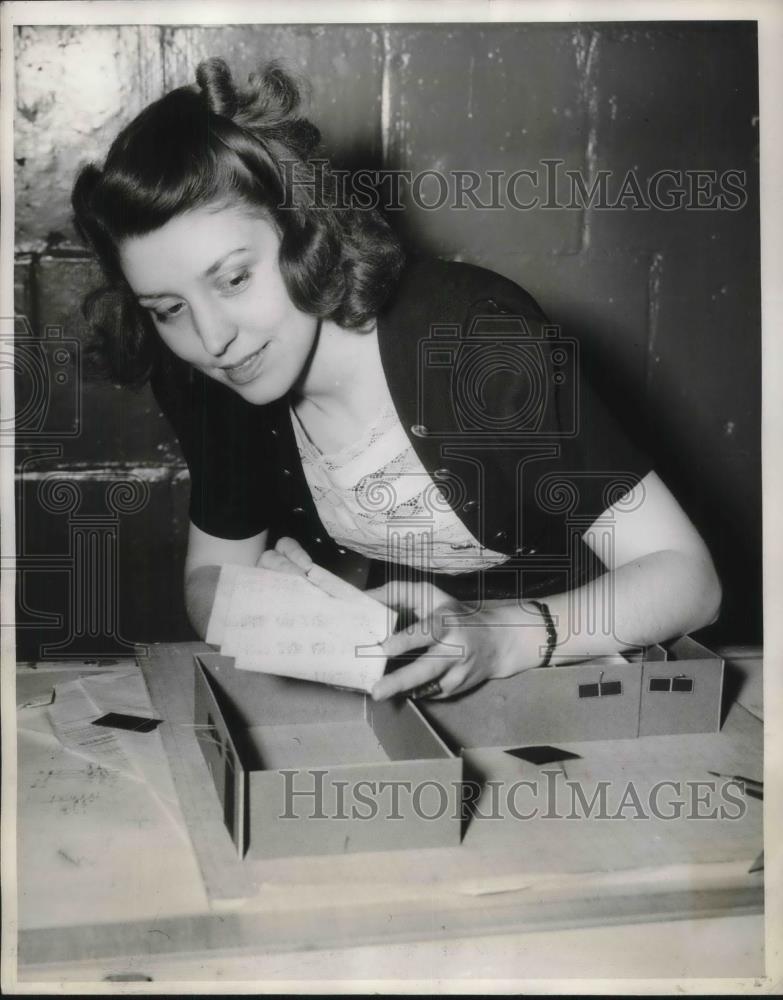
(216, 331)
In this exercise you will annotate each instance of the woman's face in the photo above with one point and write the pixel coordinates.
(212, 284)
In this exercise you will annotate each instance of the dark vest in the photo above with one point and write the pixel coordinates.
(487, 390)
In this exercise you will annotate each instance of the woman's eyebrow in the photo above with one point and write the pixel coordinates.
(219, 263)
(212, 269)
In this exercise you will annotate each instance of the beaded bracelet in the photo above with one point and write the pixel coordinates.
(551, 631)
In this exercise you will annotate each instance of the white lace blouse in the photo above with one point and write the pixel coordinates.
(375, 497)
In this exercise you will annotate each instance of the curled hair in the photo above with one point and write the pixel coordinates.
(215, 143)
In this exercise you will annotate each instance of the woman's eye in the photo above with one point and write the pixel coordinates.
(164, 315)
(237, 281)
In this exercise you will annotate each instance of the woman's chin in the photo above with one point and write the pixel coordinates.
(259, 391)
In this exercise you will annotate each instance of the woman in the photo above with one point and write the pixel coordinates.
(332, 399)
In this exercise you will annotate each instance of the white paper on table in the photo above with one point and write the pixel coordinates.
(139, 756)
(90, 820)
(72, 715)
(127, 693)
(284, 624)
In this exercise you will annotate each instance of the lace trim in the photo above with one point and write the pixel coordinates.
(375, 497)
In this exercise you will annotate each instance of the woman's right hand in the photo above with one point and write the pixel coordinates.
(287, 556)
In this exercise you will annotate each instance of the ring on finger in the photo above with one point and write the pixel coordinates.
(426, 690)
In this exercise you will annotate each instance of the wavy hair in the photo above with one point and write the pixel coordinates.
(214, 143)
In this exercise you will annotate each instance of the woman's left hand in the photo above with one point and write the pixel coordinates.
(287, 556)
(460, 647)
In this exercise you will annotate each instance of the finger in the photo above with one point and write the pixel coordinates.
(401, 595)
(426, 634)
(399, 643)
(270, 559)
(455, 681)
(419, 635)
(406, 679)
(293, 550)
(387, 594)
(334, 585)
(411, 595)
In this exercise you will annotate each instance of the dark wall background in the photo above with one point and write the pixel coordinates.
(666, 304)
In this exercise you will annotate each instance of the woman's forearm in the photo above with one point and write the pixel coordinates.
(654, 598)
(200, 586)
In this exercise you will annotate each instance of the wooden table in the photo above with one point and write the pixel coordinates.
(109, 883)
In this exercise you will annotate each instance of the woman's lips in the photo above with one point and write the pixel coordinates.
(248, 369)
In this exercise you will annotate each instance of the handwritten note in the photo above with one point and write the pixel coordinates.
(314, 627)
(72, 714)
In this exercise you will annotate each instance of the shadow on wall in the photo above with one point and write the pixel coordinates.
(730, 525)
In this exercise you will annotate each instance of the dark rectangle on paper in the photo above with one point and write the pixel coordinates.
(588, 690)
(660, 683)
(611, 687)
(682, 684)
(132, 723)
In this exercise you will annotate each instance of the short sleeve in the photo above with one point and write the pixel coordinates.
(224, 444)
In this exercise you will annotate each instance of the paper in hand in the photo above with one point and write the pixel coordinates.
(315, 627)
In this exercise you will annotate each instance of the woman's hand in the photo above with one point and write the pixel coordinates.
(460, 647)
(287, 556)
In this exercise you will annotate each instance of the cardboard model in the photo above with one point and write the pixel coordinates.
(301, 768)
(660, 691)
